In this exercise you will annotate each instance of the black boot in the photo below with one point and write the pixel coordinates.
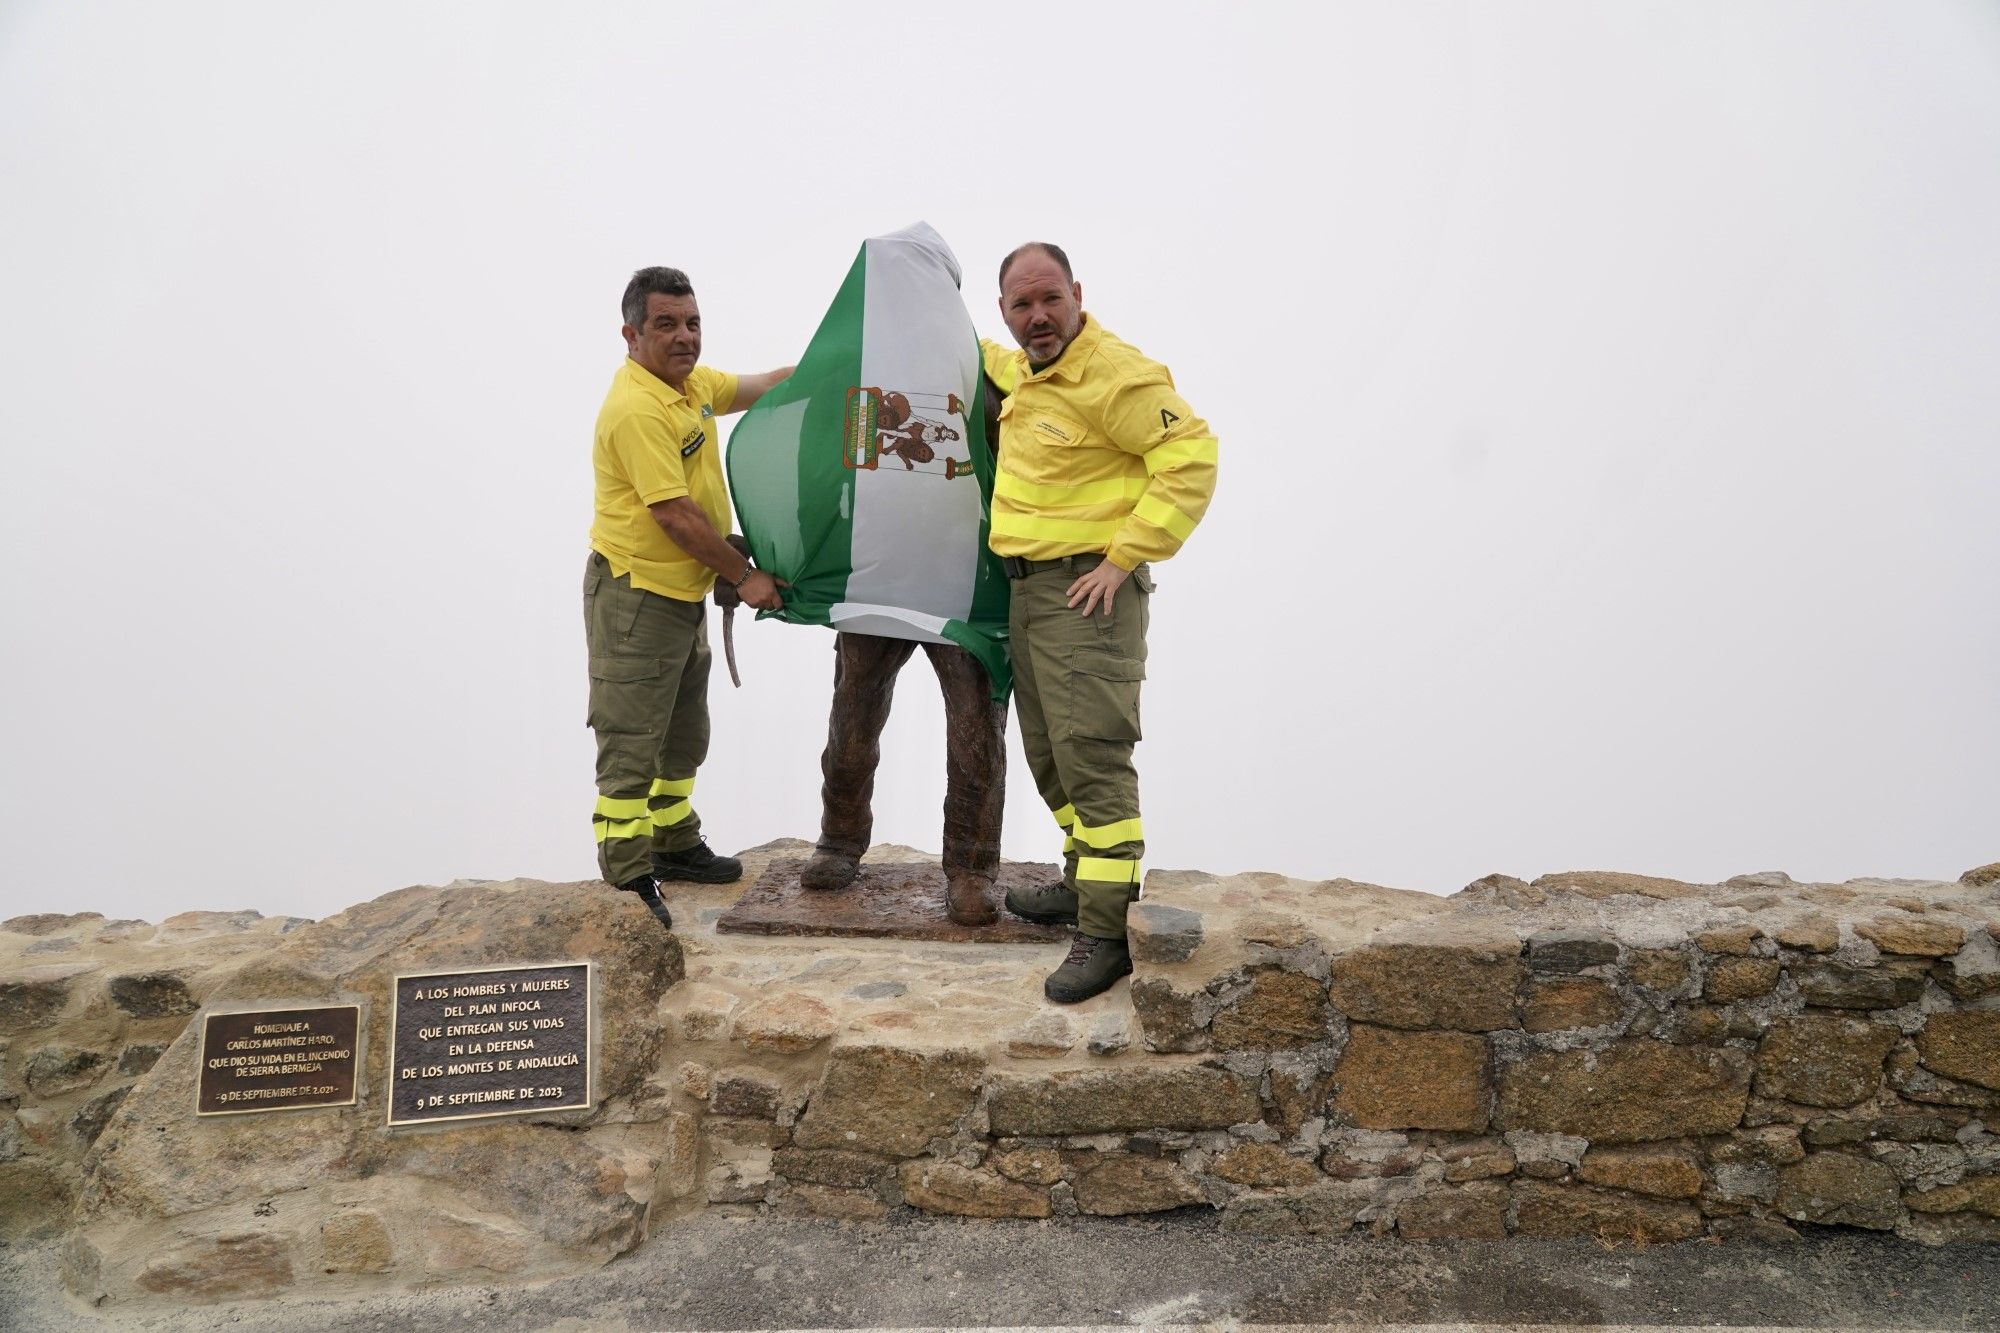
(1049, 904)
(697, 865)
(1091, 968)
(649, 894)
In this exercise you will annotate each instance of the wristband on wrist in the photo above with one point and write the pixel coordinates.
(748, 570)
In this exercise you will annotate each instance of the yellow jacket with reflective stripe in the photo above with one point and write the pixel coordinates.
(1098, 453)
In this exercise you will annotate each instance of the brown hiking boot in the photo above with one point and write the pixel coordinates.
(968, 900)
(829, 871)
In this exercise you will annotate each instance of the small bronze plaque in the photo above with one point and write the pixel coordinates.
(278, 1060)
(499, 1041)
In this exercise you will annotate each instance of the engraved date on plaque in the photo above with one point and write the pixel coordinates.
(277, 1060)
(500, 1041)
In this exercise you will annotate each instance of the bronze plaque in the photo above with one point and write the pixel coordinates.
(498, 1041)
(278, 1060)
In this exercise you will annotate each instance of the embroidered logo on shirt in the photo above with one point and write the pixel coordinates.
(1050, 428)
(693, 440)
(1167, 419)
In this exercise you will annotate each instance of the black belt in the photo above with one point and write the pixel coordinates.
(1019, 568)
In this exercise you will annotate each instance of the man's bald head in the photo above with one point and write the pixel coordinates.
(1048, 248)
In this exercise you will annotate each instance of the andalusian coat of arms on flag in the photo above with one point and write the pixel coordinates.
(865, 477)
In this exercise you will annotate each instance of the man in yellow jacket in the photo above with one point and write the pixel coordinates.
(1103, 469)
(657, 544)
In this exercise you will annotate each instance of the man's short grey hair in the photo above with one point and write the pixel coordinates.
(1053, 251)
(646, 282)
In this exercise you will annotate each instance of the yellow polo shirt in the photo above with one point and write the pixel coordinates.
(655, 444)
(1098, 454)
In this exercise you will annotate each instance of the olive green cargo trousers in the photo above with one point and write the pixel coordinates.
(649, 664)
(1077, 685)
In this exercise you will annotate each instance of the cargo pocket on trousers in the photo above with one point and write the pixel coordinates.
(1104, 695)
(618, 701)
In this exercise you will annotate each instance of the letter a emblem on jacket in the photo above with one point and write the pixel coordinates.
(1167, 419)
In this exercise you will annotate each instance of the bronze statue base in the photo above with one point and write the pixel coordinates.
(895, 901)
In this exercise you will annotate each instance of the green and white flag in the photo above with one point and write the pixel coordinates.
(865, 477)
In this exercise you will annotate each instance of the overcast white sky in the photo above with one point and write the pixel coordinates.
(1608, 399)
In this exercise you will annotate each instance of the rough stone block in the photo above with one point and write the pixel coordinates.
(55, 1070)
(1738, 940)
(1045, 1036)
(223, 1268)
(1469, 1212)
(1282, 1010)
(1122, 1184)
(35, 1196)
(1561, 1003)
(1659, 969)
(888, 1100)
(1812, 933)
(139, 1057)
(1834, 1187)
(455, 1247)
(1902, 933)
(1964, 1045)
(1170, 1019)
(1770, 1145)
(356, 1241)
(1602, 884)
(1263, 1166)
(32, 997)
(1030, 1166)
(1733, 979)
(785, 1024)
(1664, 1173)
(1566, 949)
(1633, 1090)
(736, 1092)
(1482, 1159)
(1162, 934)
(1823, 1059)
(1298, 1094)
(1978, 1194)
(1102, 1101)
(1388, 1079)
(845, 1205)
(1832, 985)
(830, 1166)
(1463, 985)
(944, 1187)
(161, 994)
(1559, 1211)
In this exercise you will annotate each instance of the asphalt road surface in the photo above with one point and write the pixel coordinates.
(1179, 1269)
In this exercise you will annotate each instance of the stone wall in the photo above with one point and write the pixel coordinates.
(1592, 1054)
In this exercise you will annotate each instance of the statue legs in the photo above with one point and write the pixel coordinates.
(864, 683)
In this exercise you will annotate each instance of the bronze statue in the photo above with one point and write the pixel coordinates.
(864, 683)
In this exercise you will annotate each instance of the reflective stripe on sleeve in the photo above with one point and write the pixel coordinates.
(1104, 870)
(1109, 835)
(1083, 531)
(1011, 487)
(1160, 514)
(1194, 449)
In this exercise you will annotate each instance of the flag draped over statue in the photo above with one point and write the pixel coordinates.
(864, 478)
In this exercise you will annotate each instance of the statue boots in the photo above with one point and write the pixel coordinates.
(864, 683)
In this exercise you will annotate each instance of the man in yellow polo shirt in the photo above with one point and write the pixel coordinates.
(656, 546)
(1103, 469)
